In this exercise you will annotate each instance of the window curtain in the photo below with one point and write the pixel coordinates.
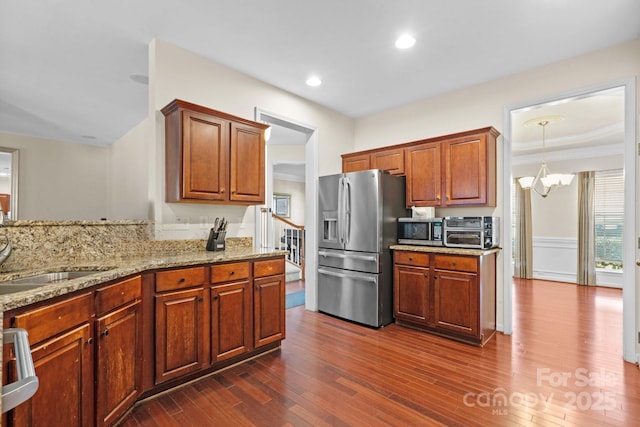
(586, 229)
(523, 251)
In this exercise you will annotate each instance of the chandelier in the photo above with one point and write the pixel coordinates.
(545, 181)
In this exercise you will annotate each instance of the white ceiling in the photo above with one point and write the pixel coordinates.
(66, 65)
(592, 123)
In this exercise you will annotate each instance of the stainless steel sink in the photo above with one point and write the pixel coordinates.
(59, 276)
(33, 282)
(7, 288)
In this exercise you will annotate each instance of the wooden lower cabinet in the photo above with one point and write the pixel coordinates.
(450, 295)
(268, 302)
(230, 320)
(180, 333)
(118, 362)
(64, 366)
(99, 350)
(411, 291)
(455, 302)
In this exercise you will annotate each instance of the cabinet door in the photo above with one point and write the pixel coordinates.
(424, 183)
(118, 356)
(204, 156)
(269, 310)
(466, 171)
(246, 164)
(391, 160)
(180, 333)
(456, 302)
(231, 320)
(411, 293)
(356, 162)
(64, 366)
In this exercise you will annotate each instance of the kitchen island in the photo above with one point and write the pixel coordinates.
(141, 323)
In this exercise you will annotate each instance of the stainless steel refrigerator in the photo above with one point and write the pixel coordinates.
(357, 224)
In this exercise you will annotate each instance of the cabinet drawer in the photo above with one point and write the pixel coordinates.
(418, 259)
(226, 272)
(118, 294)
(180, 279)
(458, 263)
(45, 322)
(268, 267)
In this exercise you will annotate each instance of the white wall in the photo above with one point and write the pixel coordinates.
(128, 186)
(177, 73)
(59, 180)
(297, 193)
(484, 105)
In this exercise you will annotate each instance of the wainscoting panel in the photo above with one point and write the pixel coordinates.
(555, 258)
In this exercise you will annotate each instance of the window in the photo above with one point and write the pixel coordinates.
(609, 212)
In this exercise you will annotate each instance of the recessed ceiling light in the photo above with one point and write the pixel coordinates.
(314, 81)
(405, 41)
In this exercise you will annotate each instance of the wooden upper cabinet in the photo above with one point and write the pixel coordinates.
(470, 171)
(388, 159)
(355, 162)
(456, 170)
(424, 178)
(391, 160)
(247, 164)
(450, 170)
(212, 157)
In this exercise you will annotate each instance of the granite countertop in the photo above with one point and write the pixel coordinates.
(115, 268)
(444, 250)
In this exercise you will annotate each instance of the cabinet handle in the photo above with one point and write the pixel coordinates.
(448, 198)
(410, 259)
(182, 280)
(215, 297)
(438, 198)
(435, 277)
(200, 299)
(453, 263)
(232, 273)
(222, 190)
(90, 341)
(105, 332)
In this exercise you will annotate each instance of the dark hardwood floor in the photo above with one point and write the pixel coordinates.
(561, 367)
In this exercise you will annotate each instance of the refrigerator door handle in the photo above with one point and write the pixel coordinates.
(360, 257)
(347, 276)
(341, 211)
(347, 210)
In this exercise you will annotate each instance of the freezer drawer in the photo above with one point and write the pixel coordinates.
(368, 262)
(353, 296)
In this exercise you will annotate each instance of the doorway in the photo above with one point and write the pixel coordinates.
(629, 162)
(290, 132)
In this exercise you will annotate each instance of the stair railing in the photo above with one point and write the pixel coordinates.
(289, 236)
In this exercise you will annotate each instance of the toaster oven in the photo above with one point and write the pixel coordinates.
(474, 232)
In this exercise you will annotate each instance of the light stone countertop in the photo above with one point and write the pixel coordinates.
(115, 268)
(445, 250)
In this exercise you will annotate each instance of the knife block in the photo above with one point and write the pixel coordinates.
(216, 240)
